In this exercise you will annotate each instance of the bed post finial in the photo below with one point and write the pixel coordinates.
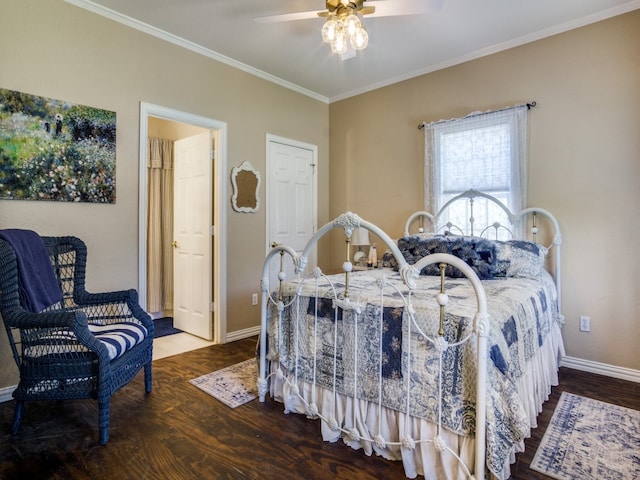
(349, 221)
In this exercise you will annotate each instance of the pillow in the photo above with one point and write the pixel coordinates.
(522, 258)
(487, 258)
(479, 253)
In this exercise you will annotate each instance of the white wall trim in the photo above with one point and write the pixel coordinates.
(5, 393)
(246, 333)
(622, 373)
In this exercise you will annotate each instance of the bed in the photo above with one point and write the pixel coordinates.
(442, 357)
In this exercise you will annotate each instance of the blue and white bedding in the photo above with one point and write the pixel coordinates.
(524, 345)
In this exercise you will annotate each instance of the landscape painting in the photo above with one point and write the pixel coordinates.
(53, 150)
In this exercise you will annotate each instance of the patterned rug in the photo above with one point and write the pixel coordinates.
(588, 439)
(234, 385)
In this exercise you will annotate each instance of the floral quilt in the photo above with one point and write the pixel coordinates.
(377, 338)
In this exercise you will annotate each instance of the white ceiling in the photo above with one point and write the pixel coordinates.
(400, 47)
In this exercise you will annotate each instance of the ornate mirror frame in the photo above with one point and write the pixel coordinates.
(246, 186)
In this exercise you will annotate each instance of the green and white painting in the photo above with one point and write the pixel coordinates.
(54, 150)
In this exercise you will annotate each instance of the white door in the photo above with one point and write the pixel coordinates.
(192, 235)
(292, 199)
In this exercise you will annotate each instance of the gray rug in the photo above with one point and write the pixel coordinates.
(233, 386)
(588, 439)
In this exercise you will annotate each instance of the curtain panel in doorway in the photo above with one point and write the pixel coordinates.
(159, 225)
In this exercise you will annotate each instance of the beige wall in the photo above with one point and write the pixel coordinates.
(584, 162)
(584, 152)
(57, 50)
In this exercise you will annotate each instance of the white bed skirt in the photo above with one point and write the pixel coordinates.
(369, 419)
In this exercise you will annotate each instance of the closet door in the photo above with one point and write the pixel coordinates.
(291, 199)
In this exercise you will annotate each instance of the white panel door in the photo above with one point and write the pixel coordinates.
(292, 204)
(192, 235)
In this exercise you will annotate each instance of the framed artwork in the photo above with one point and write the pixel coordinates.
(53, 150)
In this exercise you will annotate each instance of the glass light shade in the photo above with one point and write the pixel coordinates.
(329, 30)
(339, 45)
(351, 24)
(360, 39)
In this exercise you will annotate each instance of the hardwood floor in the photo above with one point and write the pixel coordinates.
(179, 432)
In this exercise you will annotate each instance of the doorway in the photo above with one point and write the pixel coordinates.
(186, 125)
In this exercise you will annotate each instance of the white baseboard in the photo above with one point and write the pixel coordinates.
(601, 369)
(240, 334)
(5, 393)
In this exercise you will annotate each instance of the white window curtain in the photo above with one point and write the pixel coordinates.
(159, 224)
(486, 151)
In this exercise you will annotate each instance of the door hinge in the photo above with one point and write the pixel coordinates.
(212, 307)
(212, 230)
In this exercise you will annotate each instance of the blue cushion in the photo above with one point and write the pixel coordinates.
(477, 252)
(522, 258)
(488, 258)
(119, 337)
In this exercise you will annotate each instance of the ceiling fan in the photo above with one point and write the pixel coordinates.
(344, 30)
(374, 8)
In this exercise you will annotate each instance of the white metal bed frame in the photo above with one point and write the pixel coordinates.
(349, 222)
(516, 221)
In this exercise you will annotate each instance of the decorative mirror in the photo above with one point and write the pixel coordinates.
(246, 185)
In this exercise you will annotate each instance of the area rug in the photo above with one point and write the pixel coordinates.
(234, 385)
(163, 327)
(588, 439)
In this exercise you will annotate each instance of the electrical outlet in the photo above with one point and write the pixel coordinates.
(254, 299)
(585, 323)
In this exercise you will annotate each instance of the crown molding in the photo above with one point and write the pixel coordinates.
(181, 42)
(499, 47)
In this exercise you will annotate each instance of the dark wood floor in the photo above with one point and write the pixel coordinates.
(179, 432)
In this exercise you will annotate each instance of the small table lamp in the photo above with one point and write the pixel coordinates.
(359, 238)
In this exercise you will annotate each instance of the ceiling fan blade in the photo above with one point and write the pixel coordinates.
(288, 17)
(404, 7)
(379, 8)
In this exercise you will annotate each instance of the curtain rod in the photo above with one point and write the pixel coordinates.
(529, 106)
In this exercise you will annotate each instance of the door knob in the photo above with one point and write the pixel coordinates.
(274, 244)
(174, 244)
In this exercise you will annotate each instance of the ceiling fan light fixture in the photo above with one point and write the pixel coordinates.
(344, 29)
(340, 44)
(360, 38)
(330, 30)
(352, 23)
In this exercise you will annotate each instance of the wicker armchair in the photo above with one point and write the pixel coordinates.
(67, 351)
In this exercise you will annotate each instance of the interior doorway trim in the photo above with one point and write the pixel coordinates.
(219, 212)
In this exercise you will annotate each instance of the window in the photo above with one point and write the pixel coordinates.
(482, 151)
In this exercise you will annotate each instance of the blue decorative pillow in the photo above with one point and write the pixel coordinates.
(479, 253)
(522, 258)
(488, 258)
